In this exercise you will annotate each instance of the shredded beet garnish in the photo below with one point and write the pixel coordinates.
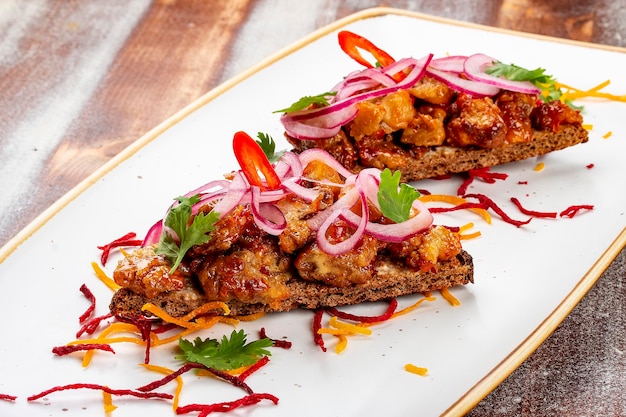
(101, 388)
(590, 166)
(234, 380)
(206, 409)
(285, 344)
(127, 240)
(92, 324)
(549, 214)
(92, 306)
(67, 349)
(484, 174)
(571, 211)
(258, 365)
(144, 325)
(7, 397)
(462, 206)
(317, 325)
(492, 205)
(164, 327)
(393, 304)
(522, 182)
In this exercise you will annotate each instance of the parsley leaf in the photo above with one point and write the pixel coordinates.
(538, 77)
(187, 235)
(306, 101)
(230, 353)
(395, 199)
(266, 142)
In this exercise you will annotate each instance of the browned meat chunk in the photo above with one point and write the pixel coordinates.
(146, 273)
(516, 109)
(476, 122)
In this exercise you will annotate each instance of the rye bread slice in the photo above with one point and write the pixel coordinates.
(390, 280)
(448, 160)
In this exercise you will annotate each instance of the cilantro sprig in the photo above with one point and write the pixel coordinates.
(187, 234)
(266, 142)
(230, 353)
(395, 199)
(306, 101)
(538, 77)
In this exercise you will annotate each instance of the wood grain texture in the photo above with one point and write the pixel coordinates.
(81, 80)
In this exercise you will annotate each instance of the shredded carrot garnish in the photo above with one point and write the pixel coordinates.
(607, 135)
(233, 321)
(184, 321)
(167, 371)
(539, 166)
(466, 226)
(415, 369)
(572, 93)
(341, 345)
(455, 200)
(343, 328)
(470, 236)
(109, 407)
(427, 297)
(447, 295)
(587, 126)
(251, 317)
(205, 308)
(102, 276)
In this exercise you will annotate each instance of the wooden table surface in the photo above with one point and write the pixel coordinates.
(81, 80)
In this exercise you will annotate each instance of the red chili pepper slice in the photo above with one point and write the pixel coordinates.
(253, 161)
(349, 42)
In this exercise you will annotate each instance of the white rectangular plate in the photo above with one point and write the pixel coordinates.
(527, 279)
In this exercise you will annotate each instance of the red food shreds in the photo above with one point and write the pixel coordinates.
(317, 325)
(393, 304)
(67, 349)
(104, 388)
(258, 365)
(7, 397)
(571, 211)
(488, 202)
(484, 174)
(534, 213)
(92, 324)
(127, 240)
(285, 344)
(92, 304)
(144, 325)
(206, 409)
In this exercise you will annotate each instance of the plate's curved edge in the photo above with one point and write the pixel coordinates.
(499, 373)
(46, 215)
(517, 356)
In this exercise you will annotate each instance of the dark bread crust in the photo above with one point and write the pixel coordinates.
(390, 280)
(447, 160)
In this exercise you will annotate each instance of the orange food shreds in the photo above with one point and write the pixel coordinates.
(167, 371)
(102, 276)
(342, 344)
(107, 399)
(466, 226)
(572, 93)
(607, 135)
(184, 321)
(345, 328)
(233, 321)
(173, 338)
(587, 126)
(205, 308)
(251, 317)
(539, 166)
(447, 295)
(415, 369)
(470, 236)
(455, 200)
(427, 297)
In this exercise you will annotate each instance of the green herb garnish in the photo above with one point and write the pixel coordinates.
(306, 101)
(230, 353)
(395, 199)
(538, 77)
(266, 142)
(196, 233)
